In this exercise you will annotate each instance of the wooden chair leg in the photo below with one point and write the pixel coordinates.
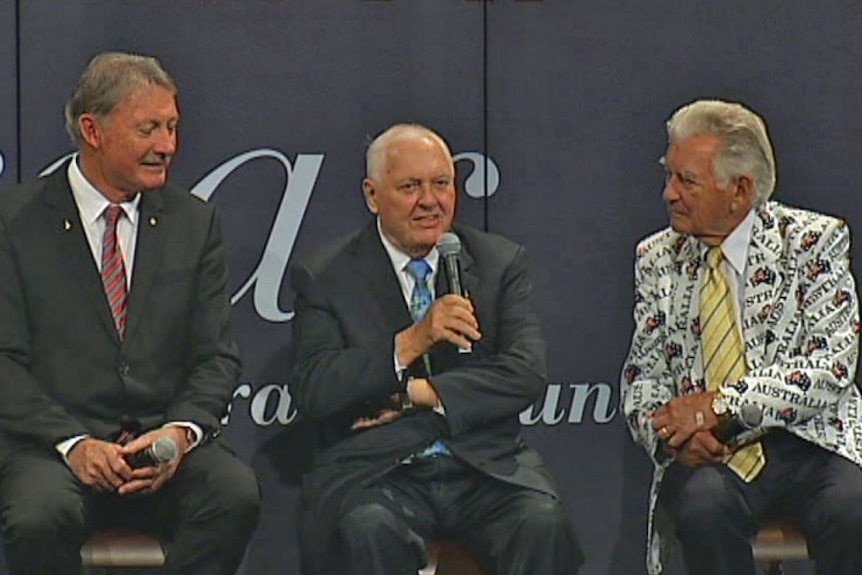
(447, 558)
(777, 543)
(122, 551)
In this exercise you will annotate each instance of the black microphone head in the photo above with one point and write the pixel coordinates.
(449, 245)
(750, 415)
(164, 449)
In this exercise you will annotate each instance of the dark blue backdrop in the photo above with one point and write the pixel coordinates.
(566, 99)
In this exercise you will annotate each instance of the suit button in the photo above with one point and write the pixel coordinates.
(124, 369)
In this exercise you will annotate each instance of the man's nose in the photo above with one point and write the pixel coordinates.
(670, 194)
(427, 195)
(166, 143)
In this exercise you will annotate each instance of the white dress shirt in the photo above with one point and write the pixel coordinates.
(91, 205)
(735, 250)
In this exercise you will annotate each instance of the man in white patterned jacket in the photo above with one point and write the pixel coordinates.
(791, 307)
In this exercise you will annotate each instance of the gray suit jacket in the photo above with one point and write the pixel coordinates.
(349, 307)
(63, 370)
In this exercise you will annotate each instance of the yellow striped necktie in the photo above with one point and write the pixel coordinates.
(723, 358)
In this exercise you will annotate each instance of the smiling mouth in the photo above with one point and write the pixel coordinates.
(152, 166)
(156, 162)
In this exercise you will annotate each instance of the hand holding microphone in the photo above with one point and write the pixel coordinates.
(162, 450)
(450, 317)
(729, 428)
(153, 458)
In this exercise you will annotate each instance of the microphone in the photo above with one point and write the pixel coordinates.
(727, 430)
(160, 451)
(449, 248)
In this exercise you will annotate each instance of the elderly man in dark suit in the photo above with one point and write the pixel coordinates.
(114, 334)
(419, 441)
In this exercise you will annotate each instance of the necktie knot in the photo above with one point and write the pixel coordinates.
(419, 269)
(112, 214)
(714, 257)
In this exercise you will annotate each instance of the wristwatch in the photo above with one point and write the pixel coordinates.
(404, 396)
(719, 405)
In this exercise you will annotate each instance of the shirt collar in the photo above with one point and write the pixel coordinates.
(735, 246)
(399, 259)
(90, 201)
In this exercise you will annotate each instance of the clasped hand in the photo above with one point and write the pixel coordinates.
(684, 425)
(422, 394)
(102, 465)
(450, 318)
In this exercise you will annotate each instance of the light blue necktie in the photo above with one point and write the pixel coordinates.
(420, 301)
(421, 298)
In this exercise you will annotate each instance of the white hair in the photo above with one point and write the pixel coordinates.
(744, 149)
(375, 155)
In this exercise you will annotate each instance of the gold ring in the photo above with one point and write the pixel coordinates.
(665, 432)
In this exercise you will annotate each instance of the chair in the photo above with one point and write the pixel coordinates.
(123, 551)
(779, 542)
(448, 558)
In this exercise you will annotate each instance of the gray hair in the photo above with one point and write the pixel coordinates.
(106, 81)
(375, 155)
(744, 149)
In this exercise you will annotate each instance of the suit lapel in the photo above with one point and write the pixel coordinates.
(685, 278)
(148, 250)
(379, 290)
(763, 280)
(72, 244)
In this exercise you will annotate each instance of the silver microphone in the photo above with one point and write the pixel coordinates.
(748, 418)
(160, 451)
(449, 248)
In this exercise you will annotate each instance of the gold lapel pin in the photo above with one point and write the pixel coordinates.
(67, 225)
(154, 222)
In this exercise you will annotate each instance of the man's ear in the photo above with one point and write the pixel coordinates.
(91, 130)
(743, 194)
(369, 191)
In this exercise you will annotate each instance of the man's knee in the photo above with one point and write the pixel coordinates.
(707, 498)
(843, 506)
(239, 494)
(543, 516)
(544, 539)
(224, 489)
(50, 515)
(366, 522)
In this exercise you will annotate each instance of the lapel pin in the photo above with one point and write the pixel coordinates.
(154, 222)
(67, 225)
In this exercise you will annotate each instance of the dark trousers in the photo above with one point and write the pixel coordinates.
(385, 526)
(715, 513)
(209, 509)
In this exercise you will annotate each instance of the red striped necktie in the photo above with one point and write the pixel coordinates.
(113, 269)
